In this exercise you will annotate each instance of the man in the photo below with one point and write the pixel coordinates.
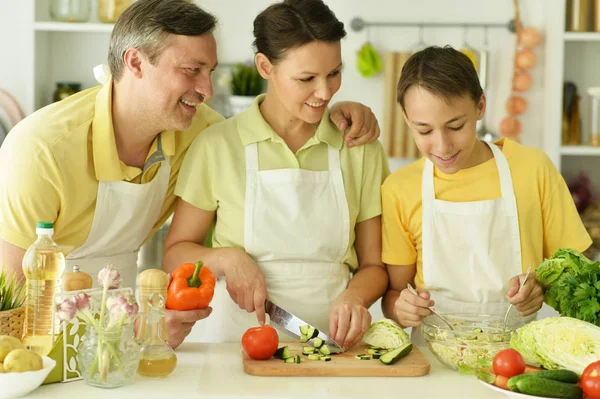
(102, 164)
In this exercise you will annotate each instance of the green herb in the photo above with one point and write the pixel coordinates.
(245, 80)
(12, 290)
(572, 285)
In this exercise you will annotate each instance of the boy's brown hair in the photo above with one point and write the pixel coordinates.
(443, 71)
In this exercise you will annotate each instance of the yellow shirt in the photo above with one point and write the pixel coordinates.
(213, 175)
(548, 219)
(51, 162)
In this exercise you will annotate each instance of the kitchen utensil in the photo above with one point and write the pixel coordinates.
(341, 365)
(284, 320)
(520, 286)
(484, 133)
(413, 291)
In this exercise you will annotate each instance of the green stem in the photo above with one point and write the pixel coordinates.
(195, 281)
(103, 305)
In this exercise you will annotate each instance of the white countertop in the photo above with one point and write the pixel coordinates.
(215, 371)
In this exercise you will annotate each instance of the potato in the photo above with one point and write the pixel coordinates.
(7, 344)
(20, 360)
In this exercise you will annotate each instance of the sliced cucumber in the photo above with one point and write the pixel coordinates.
(314, 357)
(304, 338)
(318, 342)
(291, 359)
(304, 329)
(325, 350)
(298, 359)
(394, 355)
(308, 350)
(325, 358)
(282, 353)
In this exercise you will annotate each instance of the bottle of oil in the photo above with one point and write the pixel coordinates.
(43, 265)
(158, 360)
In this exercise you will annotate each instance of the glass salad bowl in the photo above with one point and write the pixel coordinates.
(474, 340)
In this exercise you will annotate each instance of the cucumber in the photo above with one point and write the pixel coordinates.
(308, 350)
(304, 329)
(325, 358)
(394, 355)
(555, 375)
(318, 342)
(291, 359)
(549, 388)
(325, 350)
(304, 338)
(282, 353)
(314, 357)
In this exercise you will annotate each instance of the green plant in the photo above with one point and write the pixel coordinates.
(245, 80)
(12, 291)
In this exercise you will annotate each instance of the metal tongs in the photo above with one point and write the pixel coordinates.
(414, 292)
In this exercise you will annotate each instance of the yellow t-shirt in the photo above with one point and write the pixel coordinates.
(51, 162)
(213, 175)
(548, 219)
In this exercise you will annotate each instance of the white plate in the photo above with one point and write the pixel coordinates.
(511, 394)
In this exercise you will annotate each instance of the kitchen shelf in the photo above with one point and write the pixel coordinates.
(73, 27)
(580, 150)
(582, 36)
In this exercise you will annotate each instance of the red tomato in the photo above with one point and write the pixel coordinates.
(508, 363)
(590, 380)
(260, 343)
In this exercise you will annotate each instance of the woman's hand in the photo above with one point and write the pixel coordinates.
(349, 320)
(529, 298)
(246, 283)
(410, 309)
(179, 323)
(361, 121)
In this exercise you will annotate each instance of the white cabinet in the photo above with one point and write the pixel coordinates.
(65, 51)
(573, 57)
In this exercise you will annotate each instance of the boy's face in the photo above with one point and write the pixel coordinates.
(444, 129)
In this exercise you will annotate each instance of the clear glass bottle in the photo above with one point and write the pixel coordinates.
(70, 10)
(43, 266)
(110, 10)
(158, 360)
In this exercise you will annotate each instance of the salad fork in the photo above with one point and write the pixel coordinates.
(414, 292)
(520, 286)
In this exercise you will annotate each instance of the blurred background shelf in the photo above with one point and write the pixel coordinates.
(580, 150)
(81, 27)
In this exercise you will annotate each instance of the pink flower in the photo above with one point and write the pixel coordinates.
(122, 305)
(109, 277)
(82, 301)
(66, 310)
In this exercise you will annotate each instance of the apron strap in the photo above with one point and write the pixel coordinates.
(333, 159)
(506, 187)
(251, 151)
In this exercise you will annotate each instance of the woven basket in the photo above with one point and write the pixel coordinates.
(11, 322)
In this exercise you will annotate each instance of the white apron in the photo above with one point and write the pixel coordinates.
(296, 228)
(124, 216)
(470, 249)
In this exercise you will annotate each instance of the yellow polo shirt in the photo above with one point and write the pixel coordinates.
(51, 162)
(548, 219)
(213, 175)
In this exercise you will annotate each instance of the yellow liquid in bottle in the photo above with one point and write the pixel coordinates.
(157, 365)
(42, 269)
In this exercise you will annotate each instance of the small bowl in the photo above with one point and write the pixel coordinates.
(15, 385)
(475, 338)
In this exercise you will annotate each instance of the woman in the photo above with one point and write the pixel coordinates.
(297, 212)
(464, 222)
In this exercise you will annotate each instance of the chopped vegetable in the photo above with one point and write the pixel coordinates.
(558, 343)
(386, 334)
(572, 284)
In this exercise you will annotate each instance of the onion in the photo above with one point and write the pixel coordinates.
(516, 105)
(525, 59)
(510, 127)
(530, 37)
(522, 81)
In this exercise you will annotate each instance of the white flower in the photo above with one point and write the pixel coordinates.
(109, 277)
(66, 309)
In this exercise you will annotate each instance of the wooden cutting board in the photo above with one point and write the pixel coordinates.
(341, 365)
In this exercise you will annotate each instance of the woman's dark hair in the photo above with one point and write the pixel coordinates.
(443, 71)
(290, 24)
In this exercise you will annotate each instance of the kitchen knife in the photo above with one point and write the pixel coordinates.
(284, 320)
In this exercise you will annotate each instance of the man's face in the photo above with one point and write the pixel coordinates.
(307, 78)
(179, 81)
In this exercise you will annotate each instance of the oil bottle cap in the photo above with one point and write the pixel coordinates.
(44, 228)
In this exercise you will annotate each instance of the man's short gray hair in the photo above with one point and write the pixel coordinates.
(146, 25)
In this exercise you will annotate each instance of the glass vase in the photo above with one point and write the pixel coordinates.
(70, 10)
(108, 358)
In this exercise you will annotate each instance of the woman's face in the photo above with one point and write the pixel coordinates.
(306, 79)
(444, 129)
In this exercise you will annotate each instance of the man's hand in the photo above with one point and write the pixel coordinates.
(363, 126)
(180, 323)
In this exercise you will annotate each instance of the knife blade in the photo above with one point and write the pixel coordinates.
(284, 320)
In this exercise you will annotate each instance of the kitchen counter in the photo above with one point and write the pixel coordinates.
(215, 371)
